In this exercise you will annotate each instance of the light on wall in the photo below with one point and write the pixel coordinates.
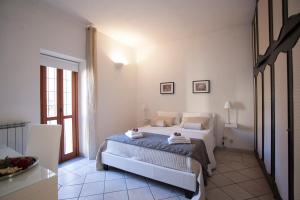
(119, 59)
(119, 64)
(128, 37)
(227, 106)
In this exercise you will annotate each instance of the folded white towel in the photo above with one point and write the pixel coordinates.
(181, 140)
(134, 135)
(177, 137)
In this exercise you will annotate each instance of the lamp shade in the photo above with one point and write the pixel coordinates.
(227, 105)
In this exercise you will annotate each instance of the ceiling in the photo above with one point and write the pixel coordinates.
(144, 22)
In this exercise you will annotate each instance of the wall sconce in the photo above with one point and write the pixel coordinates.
(119, 64)
(119, 59)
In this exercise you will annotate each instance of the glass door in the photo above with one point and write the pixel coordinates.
(59, 106)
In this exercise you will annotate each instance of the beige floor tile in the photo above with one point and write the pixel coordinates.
(256, 187)
(237, 165)
(248, 156)
(210, 185)
(250, 161)
(220, 159)
(267, 197)
(214, 172)
(233, 155)
(237, 158)
(222, 168)
(220, 180)
(252, 173)
(217, 194)
(236, 192)
(236, 177)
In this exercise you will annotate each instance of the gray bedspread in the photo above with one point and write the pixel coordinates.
(195, 150)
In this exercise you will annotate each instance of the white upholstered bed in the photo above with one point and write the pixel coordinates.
(160, 165)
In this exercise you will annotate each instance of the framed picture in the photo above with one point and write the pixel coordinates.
(201, 86)
(167, 88)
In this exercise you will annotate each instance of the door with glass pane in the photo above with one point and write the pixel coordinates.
(59, 106)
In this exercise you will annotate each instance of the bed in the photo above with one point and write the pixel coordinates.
(160, 165)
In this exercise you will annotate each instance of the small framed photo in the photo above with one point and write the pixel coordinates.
(201, 86)
(167, 88)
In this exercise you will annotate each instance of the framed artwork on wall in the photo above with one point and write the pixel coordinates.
(201, 86)
(167, 88)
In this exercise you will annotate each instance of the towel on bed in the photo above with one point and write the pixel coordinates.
(134, 135)
(179, 140)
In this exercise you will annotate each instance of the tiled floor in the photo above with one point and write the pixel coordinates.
(237, 177)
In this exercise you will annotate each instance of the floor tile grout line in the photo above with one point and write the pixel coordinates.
(104, 183)
(228, 164)
(237, 169)
(233, 197)
(126, 189)
(237, 183)
(250, 179)
(151, 192)
(81, 188)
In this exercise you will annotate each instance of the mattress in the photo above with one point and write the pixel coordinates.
(163, 158)
(207, 136)
(153, 156)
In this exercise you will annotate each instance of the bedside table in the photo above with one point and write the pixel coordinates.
(227, 126)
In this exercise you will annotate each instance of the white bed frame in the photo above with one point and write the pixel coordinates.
(185, 180)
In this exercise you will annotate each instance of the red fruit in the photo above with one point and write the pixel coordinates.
(21, 162)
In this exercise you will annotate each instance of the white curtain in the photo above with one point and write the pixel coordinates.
(91, 65)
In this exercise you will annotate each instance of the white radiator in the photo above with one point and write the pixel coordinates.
(14, 135)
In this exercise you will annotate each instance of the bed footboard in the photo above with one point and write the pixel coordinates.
(188, 181)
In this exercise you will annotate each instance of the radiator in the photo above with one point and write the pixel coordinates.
(14, 135)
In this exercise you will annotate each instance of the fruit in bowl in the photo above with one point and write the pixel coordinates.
(12, 165)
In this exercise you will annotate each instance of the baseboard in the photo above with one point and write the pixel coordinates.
(269, 178)
(234, 150)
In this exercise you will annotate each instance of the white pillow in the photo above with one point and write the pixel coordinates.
(158, 123)
(211, 116)
(170, 114)
(194, 114)
(190, 125)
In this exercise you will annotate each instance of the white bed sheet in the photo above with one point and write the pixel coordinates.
(153, 156)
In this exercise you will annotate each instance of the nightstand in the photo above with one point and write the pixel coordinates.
(227, 126)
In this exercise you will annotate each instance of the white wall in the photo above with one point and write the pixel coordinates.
(223, 57)
(27, 26)
(116, 88)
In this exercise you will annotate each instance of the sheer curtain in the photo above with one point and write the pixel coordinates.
(91, 65)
